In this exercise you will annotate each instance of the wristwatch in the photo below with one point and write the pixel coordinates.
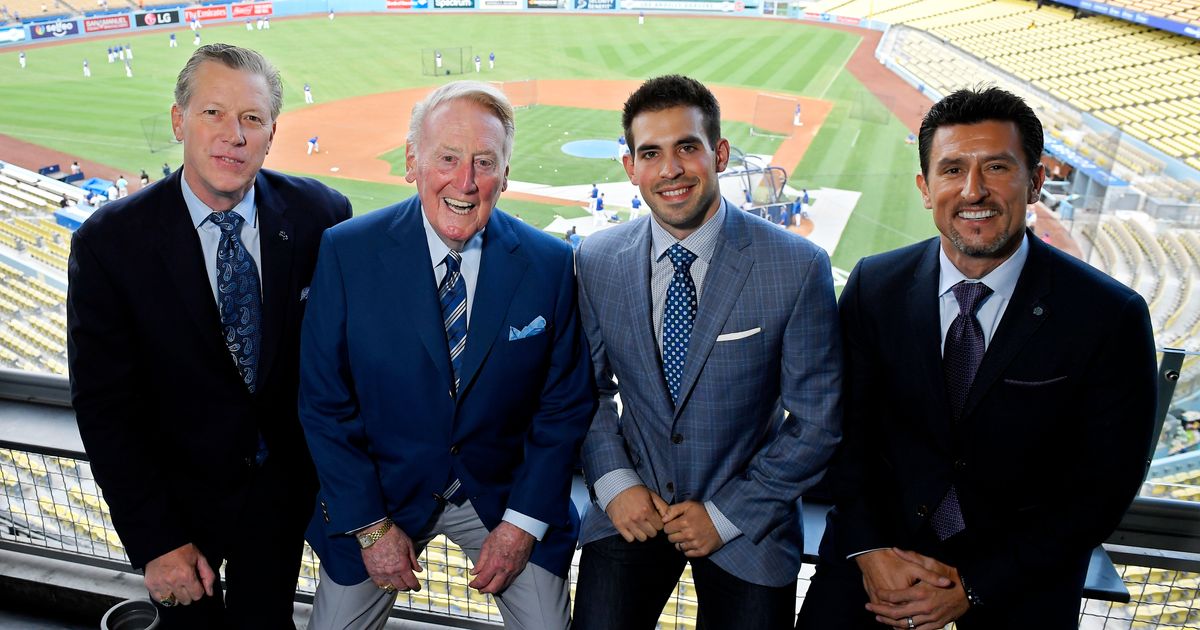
(372, 537)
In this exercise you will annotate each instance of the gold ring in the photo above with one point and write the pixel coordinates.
(388, 589)
(168, 601)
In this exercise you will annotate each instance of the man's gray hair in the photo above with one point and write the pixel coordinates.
(233, 57)
(478, 92)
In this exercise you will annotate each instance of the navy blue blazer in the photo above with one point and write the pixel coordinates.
(164, 416)
(375, 393)
(1053, 440)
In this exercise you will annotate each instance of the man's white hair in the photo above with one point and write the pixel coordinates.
(484, 94)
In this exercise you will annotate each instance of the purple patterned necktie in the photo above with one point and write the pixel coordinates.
(960, 360)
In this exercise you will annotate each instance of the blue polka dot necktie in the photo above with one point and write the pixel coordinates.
(239, 297)
(679, 315)
(960, 360)
(453, 295)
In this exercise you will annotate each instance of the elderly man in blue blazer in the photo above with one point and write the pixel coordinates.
(710, 323)
(445, 383)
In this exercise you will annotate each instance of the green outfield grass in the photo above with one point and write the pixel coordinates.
(102, 118)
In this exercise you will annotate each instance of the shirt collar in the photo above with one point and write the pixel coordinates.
(438, 249)
(1002, 280)
(200, 210)
(702, 242)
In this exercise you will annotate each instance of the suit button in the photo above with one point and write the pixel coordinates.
(439, 499)
(670, 487)
(454, 449)
(677, 438)
(922, 511)
(960, 465)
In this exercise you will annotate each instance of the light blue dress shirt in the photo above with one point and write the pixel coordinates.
(210, 234)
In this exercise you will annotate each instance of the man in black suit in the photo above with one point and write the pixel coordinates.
(999, 403)
(183, 317)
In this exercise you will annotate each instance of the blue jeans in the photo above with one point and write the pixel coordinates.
(624, 586)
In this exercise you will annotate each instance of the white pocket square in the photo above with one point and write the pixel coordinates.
(734, 336)
(533, 328)
(304, 294)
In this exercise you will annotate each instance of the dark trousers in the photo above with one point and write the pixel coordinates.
(624, 586)
(261, 549)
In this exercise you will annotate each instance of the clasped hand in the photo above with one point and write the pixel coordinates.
(639, 514)
(903, 585)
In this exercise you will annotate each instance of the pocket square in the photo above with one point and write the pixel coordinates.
(733, 336)
(304, 294)
(533, 328)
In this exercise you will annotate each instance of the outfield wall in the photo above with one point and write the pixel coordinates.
(42, 30)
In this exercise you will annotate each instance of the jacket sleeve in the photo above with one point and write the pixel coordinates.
(328, 405)
(542, 483)
(118, 429)
(764, 495)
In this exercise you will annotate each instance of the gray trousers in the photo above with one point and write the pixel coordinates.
(536, 600)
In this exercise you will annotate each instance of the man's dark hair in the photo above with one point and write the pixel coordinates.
(669, 91)
(970, 106)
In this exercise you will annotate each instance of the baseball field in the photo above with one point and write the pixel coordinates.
(366, 70)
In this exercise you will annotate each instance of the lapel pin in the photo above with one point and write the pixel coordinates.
(1037, 310)
(283, 235)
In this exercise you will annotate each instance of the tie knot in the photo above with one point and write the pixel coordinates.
(453, 260)
(681, 257)
(228, 221)
(969, 295)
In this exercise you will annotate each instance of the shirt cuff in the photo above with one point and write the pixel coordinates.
(725, 529)
(613, 483)
(367, 526)
(534, 527)
(859, 553)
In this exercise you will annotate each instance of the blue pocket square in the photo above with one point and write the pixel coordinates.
(535, 327)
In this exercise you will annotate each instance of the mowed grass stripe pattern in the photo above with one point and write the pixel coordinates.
(51, 103)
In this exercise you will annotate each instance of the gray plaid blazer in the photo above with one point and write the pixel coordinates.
(765, 340)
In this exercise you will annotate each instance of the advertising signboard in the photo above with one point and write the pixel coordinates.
(61, 28)
(106, 23)
(206, 14)
(256, 9)
(157, 18)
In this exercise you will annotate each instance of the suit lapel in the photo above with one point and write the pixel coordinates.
(183, 259)
(723, 283)
(924, 330)
(1023, 316)
(500, 271)
(635, 277)
(406, 260)
(275, 245)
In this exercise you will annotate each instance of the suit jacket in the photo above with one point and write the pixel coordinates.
(728, 440)
(166, 421)
(376, 396)
(1051, 446)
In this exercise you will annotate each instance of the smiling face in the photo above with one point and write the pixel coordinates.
(675, 168)
(226, 129)
(978, 187)
(459, 167)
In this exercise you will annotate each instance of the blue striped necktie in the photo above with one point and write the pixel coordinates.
(453, 295)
